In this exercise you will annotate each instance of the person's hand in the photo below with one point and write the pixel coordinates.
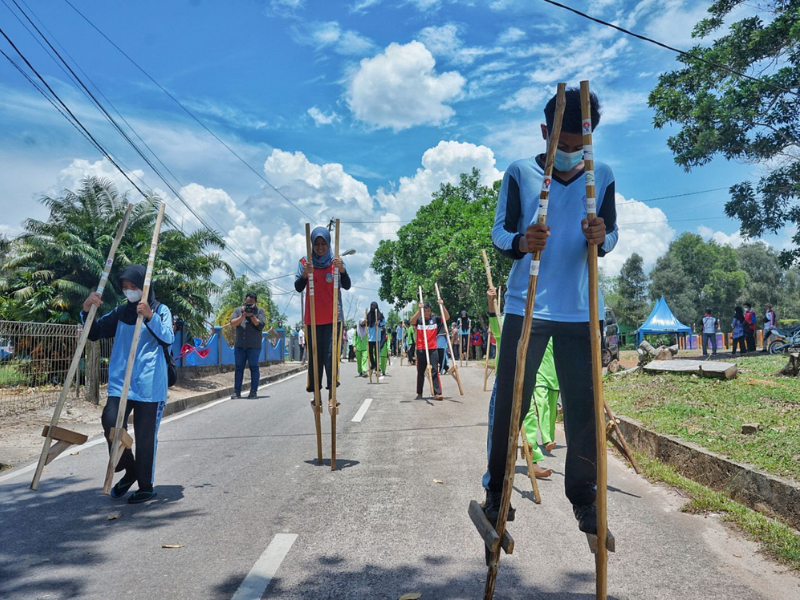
(491, 296)
(92, 300)
(441, 302)
(594, 230)
(143, 308)
(535, 238)
(309, 267)
(338, 263)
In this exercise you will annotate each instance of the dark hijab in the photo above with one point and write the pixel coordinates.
(321, 262)
(135, 274)
(738, 314)
(371, 314)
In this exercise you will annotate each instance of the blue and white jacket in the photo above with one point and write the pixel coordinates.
(562, 292)
(149, 379)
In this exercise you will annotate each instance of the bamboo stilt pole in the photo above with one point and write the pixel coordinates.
(377, 348)
(601, 556)
(116, 444)
(522, 348)
(76, 357)
(449, 343)
(336, 341)
(526, 452)
(313, 339)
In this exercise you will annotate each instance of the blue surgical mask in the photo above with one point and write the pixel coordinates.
(566, 161)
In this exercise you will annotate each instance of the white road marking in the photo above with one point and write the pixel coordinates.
(257, 580)
(100, 440)
(362, 411)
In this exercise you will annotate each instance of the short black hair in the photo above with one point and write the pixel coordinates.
(572, 111)
(426, 305)
(250, 295)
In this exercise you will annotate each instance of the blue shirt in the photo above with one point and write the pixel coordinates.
(562, 292)
(149, 378)
(372, 332)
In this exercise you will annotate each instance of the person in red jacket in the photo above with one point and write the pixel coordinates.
(322, 266)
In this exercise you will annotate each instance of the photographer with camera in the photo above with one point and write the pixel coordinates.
(248, 320)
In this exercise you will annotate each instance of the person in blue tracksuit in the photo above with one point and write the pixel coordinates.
(147, 395)
(561, 309)
(375, 332)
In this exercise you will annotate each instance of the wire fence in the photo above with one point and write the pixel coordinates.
(34, 360)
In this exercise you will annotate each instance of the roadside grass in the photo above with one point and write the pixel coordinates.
(9, 375)
(710, 412)
(779, 541)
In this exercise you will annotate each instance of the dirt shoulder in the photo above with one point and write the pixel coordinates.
(21, 434)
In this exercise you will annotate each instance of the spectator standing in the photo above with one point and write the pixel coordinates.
(301, 340)
(750, 328)
(738, 324)
(248, 320)
(770, 321)
(351, 350)
(710, 326)
(464, 326)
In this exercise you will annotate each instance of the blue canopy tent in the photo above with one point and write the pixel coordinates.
(661, 320)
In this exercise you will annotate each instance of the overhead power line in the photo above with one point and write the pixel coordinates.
(93, 99)
(672, 48)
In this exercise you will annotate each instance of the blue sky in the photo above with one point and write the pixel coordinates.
(356, 109)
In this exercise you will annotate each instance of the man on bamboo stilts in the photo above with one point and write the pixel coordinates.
(561, 309)
(429, 326)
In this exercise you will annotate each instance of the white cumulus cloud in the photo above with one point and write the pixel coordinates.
(400, 88)
(440, 164)
(321, 118)
(643, 229)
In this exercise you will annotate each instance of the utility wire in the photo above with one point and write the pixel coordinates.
(122, 132)
(673, 49)
(188, 112)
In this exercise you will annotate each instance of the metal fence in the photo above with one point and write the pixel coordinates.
(34, 360)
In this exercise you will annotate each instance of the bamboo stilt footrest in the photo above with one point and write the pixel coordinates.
(64, 435)
(610, 542)
(124, 437)
(487, 531)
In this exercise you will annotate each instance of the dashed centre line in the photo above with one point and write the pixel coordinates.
(362, 411)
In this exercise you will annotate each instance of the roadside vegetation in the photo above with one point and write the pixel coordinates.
(711, 412)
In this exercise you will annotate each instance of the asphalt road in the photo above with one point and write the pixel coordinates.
(240, 492)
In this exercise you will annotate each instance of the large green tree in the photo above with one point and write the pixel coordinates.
(754, 121)
(694, 275)
(54, 264)
(232, 295)
(630, 291)
(443, 244)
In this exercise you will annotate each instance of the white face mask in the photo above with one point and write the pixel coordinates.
(133, 295)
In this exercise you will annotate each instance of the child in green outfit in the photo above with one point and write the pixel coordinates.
(542, 415)
(360, 342)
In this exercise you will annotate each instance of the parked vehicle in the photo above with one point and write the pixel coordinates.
(610, 339)
(785, 342)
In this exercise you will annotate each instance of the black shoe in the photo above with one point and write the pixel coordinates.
(252, 395)
(491, 507)
(123, 485)
(587, 517)
(235, 395)
(140, 496)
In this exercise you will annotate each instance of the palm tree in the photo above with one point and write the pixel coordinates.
(66, 255)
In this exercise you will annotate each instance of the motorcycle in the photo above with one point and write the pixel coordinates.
(784, 340)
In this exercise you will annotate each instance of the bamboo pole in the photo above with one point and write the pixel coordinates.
(425, 340)
(377, 348)
(76, 357)
(601, 557)
(526, 453)
(449, 343)
(335, 350)
(488, 270)
(522, 348)
(116, 444)
(313, 339)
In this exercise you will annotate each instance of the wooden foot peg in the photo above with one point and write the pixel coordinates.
(487, 531)
(610, 542)
(124, 437)
(331, 409)
(64, 435)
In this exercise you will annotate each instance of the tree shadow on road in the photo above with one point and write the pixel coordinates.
(50, 537)
(334, 578)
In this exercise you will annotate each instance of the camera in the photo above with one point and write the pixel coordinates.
(249, 308)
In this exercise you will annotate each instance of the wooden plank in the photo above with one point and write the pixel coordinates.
(487, 532)
(55, 450)
(64, 435)
(722, 370)
(124, 437)
(611, 545)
